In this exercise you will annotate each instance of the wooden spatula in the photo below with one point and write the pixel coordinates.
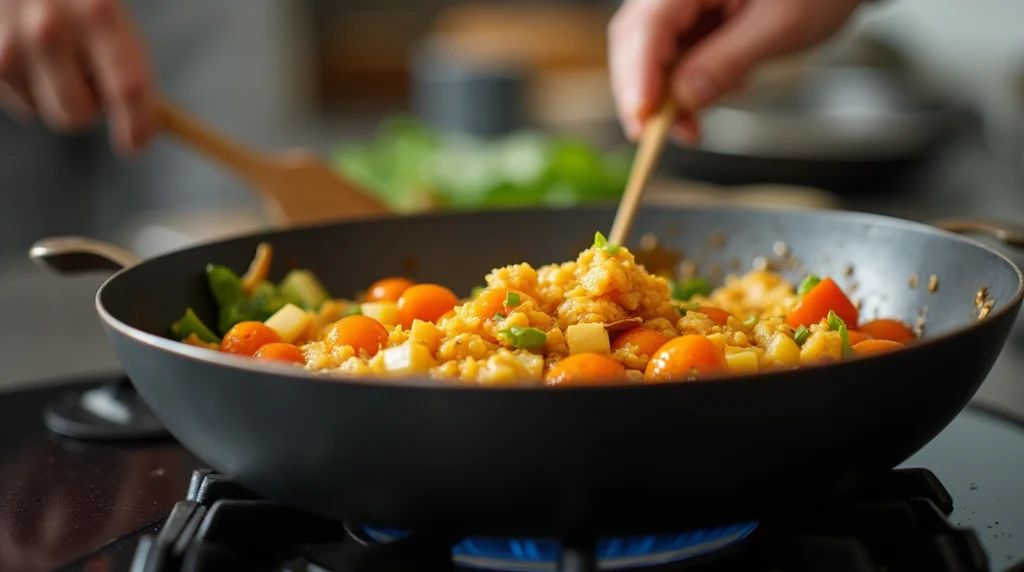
(652, 141)
(297, 187)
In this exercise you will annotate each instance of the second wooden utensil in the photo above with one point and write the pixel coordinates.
(296, 186)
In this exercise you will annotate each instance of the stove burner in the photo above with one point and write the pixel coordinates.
(528, 555)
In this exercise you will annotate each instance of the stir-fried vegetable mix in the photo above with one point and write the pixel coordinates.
(601, 318)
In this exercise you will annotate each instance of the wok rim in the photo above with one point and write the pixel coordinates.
(219, 359)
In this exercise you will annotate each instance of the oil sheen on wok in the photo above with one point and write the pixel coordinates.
(602, 318)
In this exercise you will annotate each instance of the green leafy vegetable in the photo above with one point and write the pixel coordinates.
(601, 242)
(225, 285)
(233, 306)
(690, 287)
(525, 338)
(809, 282)
(412, 166)
(500, 316)
(302, 288)
(751, 321)
(191, 324)
(835, 323)
(801, 334)
(512, 299)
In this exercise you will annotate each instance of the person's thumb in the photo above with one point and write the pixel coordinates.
(723, 59)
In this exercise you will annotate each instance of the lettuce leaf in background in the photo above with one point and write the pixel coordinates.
(413, 167)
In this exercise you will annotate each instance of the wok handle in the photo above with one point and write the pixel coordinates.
(76, 255)
(1009, 233)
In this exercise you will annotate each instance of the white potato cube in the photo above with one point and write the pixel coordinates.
(587, 338)
(384, 312)
(408, 358)
(289, 322)
(742, 363)
(783, 350)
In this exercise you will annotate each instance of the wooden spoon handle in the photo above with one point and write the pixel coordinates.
(243, 161)
(644, 164)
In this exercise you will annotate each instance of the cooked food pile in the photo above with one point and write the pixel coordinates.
(599, 319)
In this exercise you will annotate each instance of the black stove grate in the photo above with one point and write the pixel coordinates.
(898, 525)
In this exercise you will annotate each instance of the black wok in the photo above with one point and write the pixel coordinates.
(424, 455)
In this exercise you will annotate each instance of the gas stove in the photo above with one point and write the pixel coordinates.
(72, 505)
(899, 525)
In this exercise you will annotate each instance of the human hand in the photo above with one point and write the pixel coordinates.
(644, 50)
(69, 61)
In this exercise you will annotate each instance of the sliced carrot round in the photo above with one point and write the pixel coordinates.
(494, 300)
(876, 347)
(645, 341)
(684, 355)
(857, 336)
(887, 329)
(281, 352)
(586, 369)
(818, 301)
(716, 315)
(246, 338)
(362, 333)
(387, 289)
(426, 302)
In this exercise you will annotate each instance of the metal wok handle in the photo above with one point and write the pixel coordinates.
(1009, 233)
(75, 254)
(112, 411)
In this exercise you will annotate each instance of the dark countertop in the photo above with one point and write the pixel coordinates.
(62, 499)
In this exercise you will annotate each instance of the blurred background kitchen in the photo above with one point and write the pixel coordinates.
(916, 111)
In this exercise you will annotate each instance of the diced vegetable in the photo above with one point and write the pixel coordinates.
(683, 356)
(225, 285)
(601, 242)
(289, 322)
(361, 333)
(836, 324)
(826, 296)
(586, 369)
(886, 329)
(783, 350)
(190, 324)
(821, 346)
(246, 338)
(425, 333)
(426, 302)
(876, 347)
(809, 282)
(512, 299)
(751, 321)
(388, 289)
(643, 341)
(801, 334)
(193, 340)
(742, 363)
(259, 268)
(384, 312)
(302, 288)
(408, 358)
(696, 286)
(282, 352)
(587, 338)
(716, 315)
(525, 338)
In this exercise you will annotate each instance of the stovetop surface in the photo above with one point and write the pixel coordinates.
(62, 499)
